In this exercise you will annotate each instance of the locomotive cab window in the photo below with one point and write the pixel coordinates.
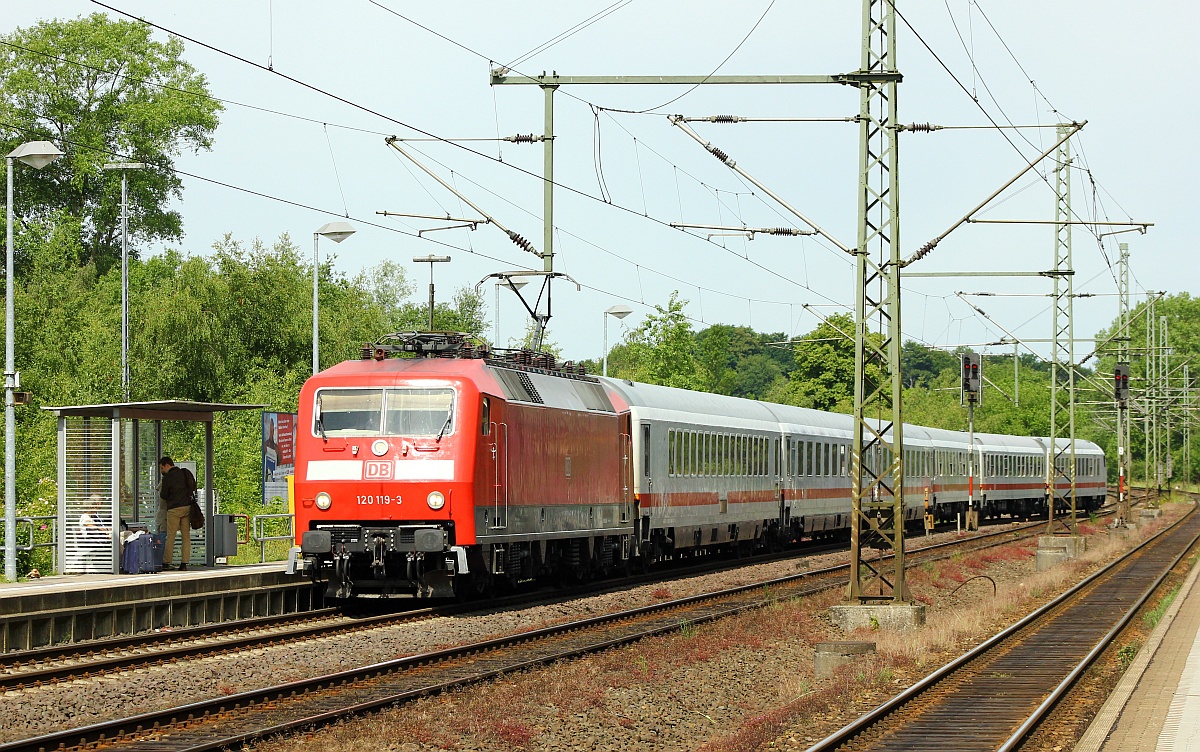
(391, 412)
(420, 412)
(348, 412)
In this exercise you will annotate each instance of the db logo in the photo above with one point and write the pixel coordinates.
(377, 470)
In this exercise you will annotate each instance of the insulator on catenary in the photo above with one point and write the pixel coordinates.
(523, 138)
(924, 251)
(922, 127)
(521, 242)
(726, 119)
(782, 231)
(719, 154)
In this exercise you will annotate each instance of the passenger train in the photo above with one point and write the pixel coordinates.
(432, 468)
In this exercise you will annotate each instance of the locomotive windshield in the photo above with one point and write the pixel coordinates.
(384, 412)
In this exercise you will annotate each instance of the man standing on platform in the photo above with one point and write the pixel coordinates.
(177, 492)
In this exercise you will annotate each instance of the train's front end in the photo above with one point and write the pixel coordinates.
(385, 460)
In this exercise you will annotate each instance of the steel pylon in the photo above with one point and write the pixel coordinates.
(877, 468)
(1062, 357)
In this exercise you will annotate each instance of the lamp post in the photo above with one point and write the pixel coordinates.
(620, 311)
(337, 232)
(36, 154)
(125, 167)
(431, 260)
(513, 283)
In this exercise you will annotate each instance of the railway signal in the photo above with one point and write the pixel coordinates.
(972, 379)
(1121, 383)
(972, 394)
(1121, 395)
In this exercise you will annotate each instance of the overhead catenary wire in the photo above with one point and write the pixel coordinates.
(332, 213)
(396, 121)
(382, 115)
(569, 188)
(585, 23)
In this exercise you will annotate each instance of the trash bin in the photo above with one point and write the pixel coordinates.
(225, 535)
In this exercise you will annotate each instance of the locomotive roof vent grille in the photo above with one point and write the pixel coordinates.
(593, 396)
(518, 386)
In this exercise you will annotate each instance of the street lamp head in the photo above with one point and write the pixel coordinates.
(430, 259)
(336, 231)
(125, 166)
(619, 311)
(36, 154)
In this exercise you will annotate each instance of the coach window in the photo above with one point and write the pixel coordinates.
(693, 451)
(671, 463)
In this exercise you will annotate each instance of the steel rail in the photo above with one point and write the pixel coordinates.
(704, 607)
(1069, 681)
(857, 727)
(95, 658)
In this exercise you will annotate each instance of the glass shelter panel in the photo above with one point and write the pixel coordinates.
(86, 506)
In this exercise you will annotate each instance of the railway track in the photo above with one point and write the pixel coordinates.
(994, 696)
(235, 719)
(43, 666)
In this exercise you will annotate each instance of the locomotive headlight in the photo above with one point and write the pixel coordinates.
(380, 447)
(324, 501)
(435, 500)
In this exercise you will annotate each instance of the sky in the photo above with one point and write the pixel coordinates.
(625, 173)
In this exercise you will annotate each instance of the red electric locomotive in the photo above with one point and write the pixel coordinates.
(417, 476)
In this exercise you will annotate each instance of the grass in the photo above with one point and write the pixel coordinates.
(1155, 615)
(1127, 653)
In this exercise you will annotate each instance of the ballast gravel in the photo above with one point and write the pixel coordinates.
(675, 708)
(55, 707)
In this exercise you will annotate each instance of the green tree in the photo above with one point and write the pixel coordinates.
(662, 350)
(922, 365)
(823, 377)
(103, 91)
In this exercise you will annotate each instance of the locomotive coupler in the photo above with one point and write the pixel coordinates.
(377, 565)
(341, 572)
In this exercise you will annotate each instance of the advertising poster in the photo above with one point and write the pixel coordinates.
(279, 453)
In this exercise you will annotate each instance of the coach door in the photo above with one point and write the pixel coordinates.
(499, 462)
(625, 448)
(646, 465)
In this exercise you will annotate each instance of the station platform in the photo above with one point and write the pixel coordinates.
(1156, 705)
(73, 608)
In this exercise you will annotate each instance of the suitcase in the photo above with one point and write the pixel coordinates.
(143, 553)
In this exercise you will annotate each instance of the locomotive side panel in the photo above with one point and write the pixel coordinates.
(559, 475)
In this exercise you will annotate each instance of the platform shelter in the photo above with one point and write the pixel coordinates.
(108, 474)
